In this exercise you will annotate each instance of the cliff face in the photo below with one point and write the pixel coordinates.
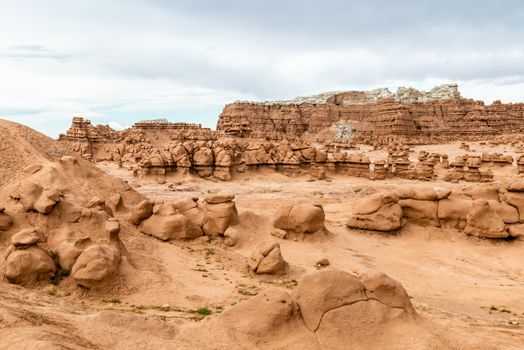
(440, 114)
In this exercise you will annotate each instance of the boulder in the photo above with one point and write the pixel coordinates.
(95, 265)
(337, 303)
(170, 226)
(191, 210)
(29, 265)
(27, 237)
(219, 217)
(267, 259)
(380, 212)
(140, 212)
(322, 262)
(326, 290)
(112, 227)
(300, 218)
(483, 221)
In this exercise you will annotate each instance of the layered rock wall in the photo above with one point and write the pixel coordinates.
(376, 116)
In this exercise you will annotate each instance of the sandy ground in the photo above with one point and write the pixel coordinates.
(472, 286)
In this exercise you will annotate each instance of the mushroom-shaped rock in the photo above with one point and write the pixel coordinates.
(219, 217)
(27, 237)
(273, 308)
(267, 259)
(483, 221)
(140, 212)
(95, 265)
(299, 218)
(380, 212)
(28, 265)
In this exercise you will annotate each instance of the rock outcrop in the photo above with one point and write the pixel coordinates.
(337, 308)
(25, 260)
(440, 114)
(267, 259)
(486, 212)
(299, 219)
(379, 212)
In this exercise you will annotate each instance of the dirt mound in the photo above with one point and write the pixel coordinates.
(21, 146)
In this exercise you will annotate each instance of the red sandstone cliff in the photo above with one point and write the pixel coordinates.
(376, 116)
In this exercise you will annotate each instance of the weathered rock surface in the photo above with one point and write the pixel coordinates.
(377, 115)
(27, 237)
(166, 224)
(300, 218)
(29, 265)
(219, 216)
(380, 212)
(267, 259)
(321, 294)
(483, 221)
(96, 265)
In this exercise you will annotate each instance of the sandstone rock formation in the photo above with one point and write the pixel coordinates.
(74, 204)
(299, 219)
(25, 261)
(168, 224)
(185, 219)
(267, 259)
(375, 116)
(337, 307)
(380, 212)
(479, 211)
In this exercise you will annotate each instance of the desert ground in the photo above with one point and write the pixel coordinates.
(462, 291)
(470, 286)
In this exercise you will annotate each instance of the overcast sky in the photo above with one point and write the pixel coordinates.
(119, 61)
